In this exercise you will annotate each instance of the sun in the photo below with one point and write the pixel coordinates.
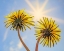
(39, 11)
(37, 14)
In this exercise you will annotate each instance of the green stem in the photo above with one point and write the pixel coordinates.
(22, 41)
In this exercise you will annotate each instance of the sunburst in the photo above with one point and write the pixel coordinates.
(39, 11)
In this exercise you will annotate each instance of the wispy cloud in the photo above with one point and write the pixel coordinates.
(19, 45)
(11, 49)
(12, 42)
(5, 35)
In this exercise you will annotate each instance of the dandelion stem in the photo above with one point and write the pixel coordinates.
(36, 49)
(22, 41)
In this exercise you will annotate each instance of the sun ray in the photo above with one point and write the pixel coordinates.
(29, 11)
(49, 10)
(56, 19)
(37, 4)
(32, 7)
(39, 12)
(44, 4)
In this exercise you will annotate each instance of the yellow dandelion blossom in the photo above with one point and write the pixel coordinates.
(49, 32)
(19, 19)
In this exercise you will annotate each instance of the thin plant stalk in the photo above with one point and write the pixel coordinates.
(36, 49)
(22, 41)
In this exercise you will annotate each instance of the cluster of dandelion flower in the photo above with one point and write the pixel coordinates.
(49, 32)
(19, 19)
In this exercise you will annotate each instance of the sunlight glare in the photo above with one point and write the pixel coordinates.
(39, 12)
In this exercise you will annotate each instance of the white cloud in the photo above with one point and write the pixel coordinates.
(5, 35)
(5, 48)
(11, 49)
(24, 38)
(11, 43)
(18, 47)
(20, 44)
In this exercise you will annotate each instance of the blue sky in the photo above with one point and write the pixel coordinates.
(9, 40)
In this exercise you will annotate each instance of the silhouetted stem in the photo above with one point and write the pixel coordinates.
(22, 41)
(36, 49)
